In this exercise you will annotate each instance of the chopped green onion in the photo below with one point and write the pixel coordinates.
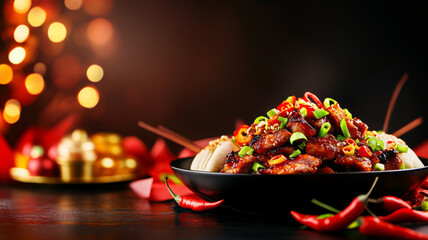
(357, 140)
(402, 148)
(302, 145)
(304, 112)
(324, 129)
(289, 98)
(379, 167)
(259, 119)
(379, 145)
(347, 113)
(295, 153)
(319, 113)
(297, 136)
(256, 166)
(283, 121)
(272, 112)
(340, 138)
(403, 166)
(372, 143)
(327, 102)
(245, 150)
(344, 128)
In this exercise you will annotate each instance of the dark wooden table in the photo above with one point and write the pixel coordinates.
(113, 211)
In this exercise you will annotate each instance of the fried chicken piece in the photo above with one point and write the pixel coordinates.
(301, 164)
(237, 164)
(266, 142)
(297, 123)
(390, 159)
(355, 126)
(354, 163)
(324, 148)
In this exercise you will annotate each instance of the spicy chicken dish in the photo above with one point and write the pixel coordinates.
(305, 135)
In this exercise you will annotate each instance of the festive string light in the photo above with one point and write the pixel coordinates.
(21, 33)
(34, 83)
(21, 6)
(100, 31)
(12, 111)
(88, 97)
(36, 16)
(40, 68)
(73, 4)
(17, 55)
(95, 73)
(57, 32)
(6, 74)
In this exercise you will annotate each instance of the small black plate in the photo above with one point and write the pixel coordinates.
(278, 194)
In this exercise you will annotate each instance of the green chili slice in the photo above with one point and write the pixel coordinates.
(319, 113)
(283, 121)
(295, 153)
(345, 129)
(256, 167)
(402, 148)
(304, 112)
(327, 102)
(349, 114)
(324, 129)
(297, 136)
(379, 167)
(259, 119)
(245, 150)
(272, 112)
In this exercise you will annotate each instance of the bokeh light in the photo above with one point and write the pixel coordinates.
(98, 7)
(36, 16)
(100, 31)
(21, 33)
(12, 111)
(17, 55)
(73, 4)
(95, 73)
(40, 68)
(57, 32)
(6, 74)
(21, 6)
(88, 97)
(34, 83)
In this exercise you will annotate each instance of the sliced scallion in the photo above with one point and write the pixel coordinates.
(324, 129)
(283, 121)
(272, 112)
(319, 113)
(402, 148)
(379, 145)
(260, 119)
(345, 129)
(295, 153)
(379, 167)
(245, 150)
(304, 112)
(340, 138)
(347, 113)
(297, 136)
(327, 102)
(403, 166)
(256, 167)
(372, 143)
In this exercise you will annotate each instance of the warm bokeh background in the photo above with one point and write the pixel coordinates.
(197, 66)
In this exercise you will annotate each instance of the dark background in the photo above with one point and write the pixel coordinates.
(197, 66)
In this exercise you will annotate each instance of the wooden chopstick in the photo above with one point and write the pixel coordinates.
(406, 128)
(168, 134)
(393, 100)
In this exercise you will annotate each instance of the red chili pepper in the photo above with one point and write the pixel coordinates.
(286, 107)
(302, 103)
(406, 215)
(317, 101)
(196, 204)
(337, 222)
(391, 203)
(375, 227)
(241, 136)
(364, 151)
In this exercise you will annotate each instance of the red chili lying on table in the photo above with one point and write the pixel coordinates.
(375, 227)
(391, 203)
(406, 215)
(196, 204)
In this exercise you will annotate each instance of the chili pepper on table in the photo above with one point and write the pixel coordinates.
(375, 227)
(406, 215)
(196, 204)
(341, 220)
(391, 203)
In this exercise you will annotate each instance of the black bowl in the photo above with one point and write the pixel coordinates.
(278, 194)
